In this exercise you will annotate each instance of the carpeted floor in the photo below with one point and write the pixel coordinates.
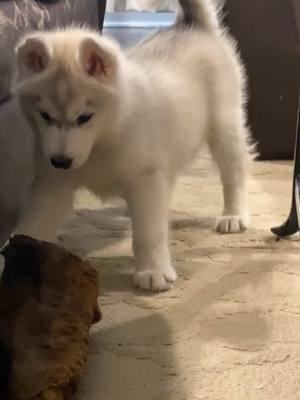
(229, 330)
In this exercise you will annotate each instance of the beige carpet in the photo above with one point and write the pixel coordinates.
(229, 330)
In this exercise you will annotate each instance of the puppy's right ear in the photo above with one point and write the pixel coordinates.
(99, 60)
(33, 57)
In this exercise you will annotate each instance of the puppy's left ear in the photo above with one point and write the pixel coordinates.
(33, 57)
(98, 60)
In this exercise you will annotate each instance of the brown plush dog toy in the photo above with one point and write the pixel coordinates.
(48, 302)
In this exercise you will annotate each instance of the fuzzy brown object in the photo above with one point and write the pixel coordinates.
(48, 302)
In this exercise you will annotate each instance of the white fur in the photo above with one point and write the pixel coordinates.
(153, 110)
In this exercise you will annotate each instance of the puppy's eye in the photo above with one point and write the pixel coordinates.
(46, 117)
(84, 118)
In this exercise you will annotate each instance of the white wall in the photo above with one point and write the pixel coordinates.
(148, 5)
(141, 5)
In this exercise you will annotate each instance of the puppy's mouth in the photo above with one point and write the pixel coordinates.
(61, 162)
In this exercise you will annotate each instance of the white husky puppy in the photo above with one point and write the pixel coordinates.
(125, 123)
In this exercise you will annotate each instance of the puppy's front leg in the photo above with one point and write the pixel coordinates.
(148, 202)
(46, 209)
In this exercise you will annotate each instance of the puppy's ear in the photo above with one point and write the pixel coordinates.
(23, 258)
(98, 60)
(33, 57)
(97, 314)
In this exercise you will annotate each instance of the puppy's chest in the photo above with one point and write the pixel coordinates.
(103, 177)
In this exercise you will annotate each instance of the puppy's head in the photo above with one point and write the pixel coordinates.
(35, 268)
(22, 263)
(68, 83)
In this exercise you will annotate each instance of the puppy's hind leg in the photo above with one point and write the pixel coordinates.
(229, 148)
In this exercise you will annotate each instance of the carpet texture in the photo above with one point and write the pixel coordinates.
(229, 330)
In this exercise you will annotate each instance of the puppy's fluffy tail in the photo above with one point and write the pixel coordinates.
(199, 14)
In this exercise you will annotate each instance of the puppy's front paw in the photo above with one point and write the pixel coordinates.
(155, 280)
(232, 224)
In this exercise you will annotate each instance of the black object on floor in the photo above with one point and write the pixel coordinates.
(292, 224)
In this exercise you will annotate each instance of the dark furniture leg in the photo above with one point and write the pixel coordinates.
(101, 7)
(292, 224)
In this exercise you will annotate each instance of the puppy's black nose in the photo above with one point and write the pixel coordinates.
(61, 162)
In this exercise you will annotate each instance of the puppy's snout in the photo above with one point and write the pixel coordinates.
(61, 162)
